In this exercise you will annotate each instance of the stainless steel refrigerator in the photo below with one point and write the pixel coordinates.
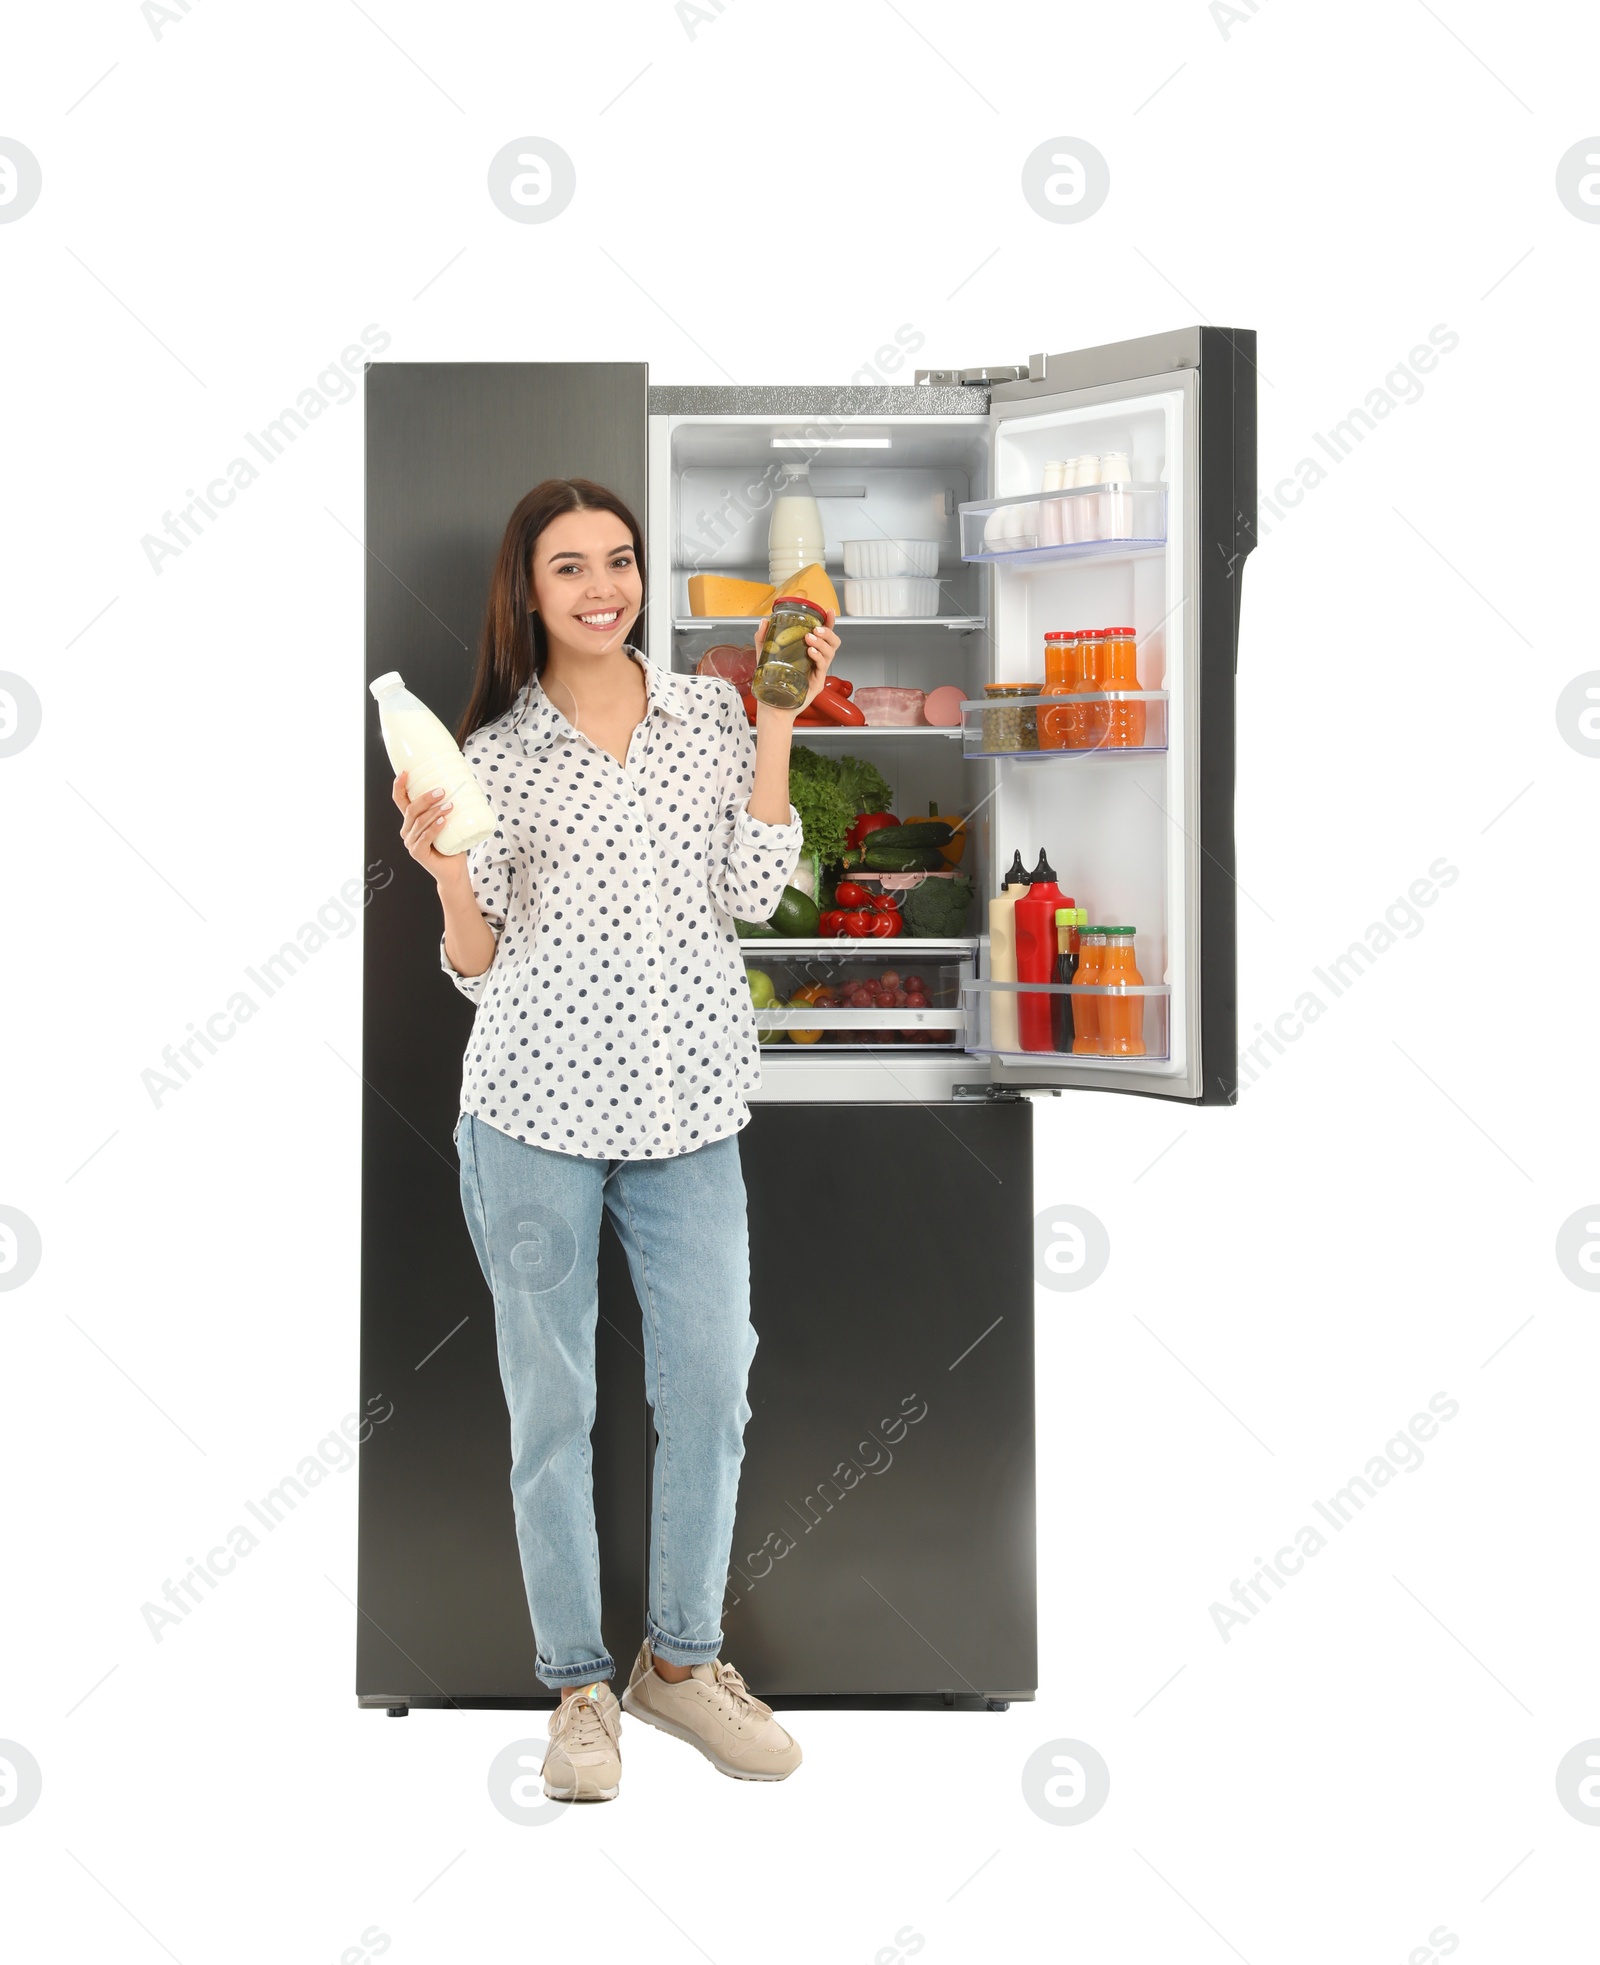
(886, 1548)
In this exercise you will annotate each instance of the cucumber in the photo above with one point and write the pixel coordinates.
(901, 859)
(796, 915)
(753, 931)
(920, 832)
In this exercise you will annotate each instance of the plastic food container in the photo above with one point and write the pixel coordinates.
(890, 559)
(1010, 726)
(783, 674)
(890, 708)
(910, 598)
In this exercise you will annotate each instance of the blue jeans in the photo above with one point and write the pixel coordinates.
(534, 1218)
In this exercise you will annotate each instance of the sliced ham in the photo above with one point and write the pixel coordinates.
(735, 665)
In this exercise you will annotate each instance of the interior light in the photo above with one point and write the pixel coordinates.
(831, 443)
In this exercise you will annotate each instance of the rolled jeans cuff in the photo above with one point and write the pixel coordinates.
(679, 1651)
(559, 1675)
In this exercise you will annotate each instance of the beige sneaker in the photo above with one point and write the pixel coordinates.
(714, 1710)
(583, 1761)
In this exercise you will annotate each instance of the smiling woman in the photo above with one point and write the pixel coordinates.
(637, 816)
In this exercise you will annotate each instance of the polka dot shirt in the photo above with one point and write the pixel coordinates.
(615, 1021)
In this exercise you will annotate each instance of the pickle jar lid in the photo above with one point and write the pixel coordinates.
(792, 601)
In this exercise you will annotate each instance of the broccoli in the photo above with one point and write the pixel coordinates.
(937, 908)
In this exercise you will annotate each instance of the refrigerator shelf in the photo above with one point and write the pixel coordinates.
(1152, 1026)
(854, 948)
(981, 716)
(885, 1019)
(804, 732)
(1023, 556)
(1114, 520)
(958, 624)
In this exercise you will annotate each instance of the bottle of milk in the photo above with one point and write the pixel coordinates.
(794, 535)
(419, 743)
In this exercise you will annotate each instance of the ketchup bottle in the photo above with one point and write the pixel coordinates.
(1036, 954)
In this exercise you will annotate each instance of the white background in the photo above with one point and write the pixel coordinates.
(1373, 1756)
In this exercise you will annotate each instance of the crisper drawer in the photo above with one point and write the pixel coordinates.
(829, 996)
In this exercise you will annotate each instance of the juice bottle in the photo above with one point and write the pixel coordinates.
(1036, 953)
(418, 743)
(1066, 972)
(1121, 1017)
(1124, 721)
(1091, 677)
(1088, 1010)
(1060, 674)
(1003, 957)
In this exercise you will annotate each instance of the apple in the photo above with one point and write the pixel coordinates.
(762, 993)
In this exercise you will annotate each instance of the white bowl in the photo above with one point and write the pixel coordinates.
(904, 597)
(890, 559)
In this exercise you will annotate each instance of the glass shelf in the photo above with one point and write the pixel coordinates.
(804, 732)
(956, 624)
(853, 948)
(987, 723)
(1110, 521)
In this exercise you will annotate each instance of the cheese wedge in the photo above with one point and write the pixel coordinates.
(811, 583)
(710, 595)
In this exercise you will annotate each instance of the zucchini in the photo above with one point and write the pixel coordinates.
(753, 931)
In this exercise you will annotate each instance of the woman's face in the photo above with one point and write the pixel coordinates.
(586, 583)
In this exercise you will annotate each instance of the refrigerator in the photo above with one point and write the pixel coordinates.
(886, 1549)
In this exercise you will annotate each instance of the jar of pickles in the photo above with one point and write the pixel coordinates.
(783, 674)
(1011, 725)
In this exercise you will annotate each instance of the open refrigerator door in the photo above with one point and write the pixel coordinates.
(965, 520)
(1114, 541)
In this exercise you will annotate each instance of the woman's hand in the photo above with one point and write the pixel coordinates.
(822, 644)
(419, 827)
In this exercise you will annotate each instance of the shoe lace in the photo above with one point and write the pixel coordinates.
(581, 1720)
(745, 1702)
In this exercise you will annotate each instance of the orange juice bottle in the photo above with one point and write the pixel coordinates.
(1060, 676)
(1124, 721)
(1091, 677)
(1088, 1010)
(1121, 1017)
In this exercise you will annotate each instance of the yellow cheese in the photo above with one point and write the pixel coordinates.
(711, 595)
(812, 583)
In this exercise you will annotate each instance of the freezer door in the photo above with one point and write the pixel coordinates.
(450, 449)
(1140, 835)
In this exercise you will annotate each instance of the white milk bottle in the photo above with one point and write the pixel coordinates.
(417, 742)
(794, 537)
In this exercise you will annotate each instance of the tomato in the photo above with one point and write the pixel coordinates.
(858, 921)
(832, 922)
(885, 903)
(884, 926)
(850, 893)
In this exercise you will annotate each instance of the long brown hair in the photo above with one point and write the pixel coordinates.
(514, 646)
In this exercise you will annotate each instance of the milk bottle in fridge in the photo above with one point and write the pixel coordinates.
(417, 742)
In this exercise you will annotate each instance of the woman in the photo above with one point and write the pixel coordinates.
(612, 1047)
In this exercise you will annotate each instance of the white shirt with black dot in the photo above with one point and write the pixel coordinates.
(615, 1021)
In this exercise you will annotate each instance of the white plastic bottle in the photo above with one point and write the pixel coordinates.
(1003, 1027)
(794, 536)
(1116, 507)
(417, 742)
